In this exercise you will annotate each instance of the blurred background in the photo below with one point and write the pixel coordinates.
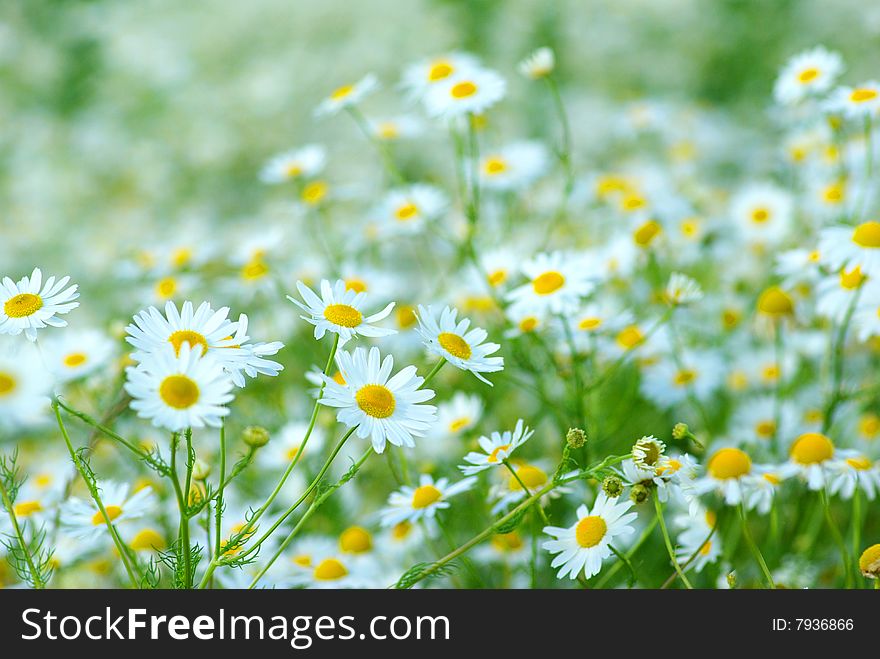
(121, 121)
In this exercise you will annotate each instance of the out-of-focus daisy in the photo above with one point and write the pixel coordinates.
(762, 211)
(74, 354)
(382, 407)
(809, 457)
(180, 390)
(836, 293)
(584, 545)
(84, 520)
(695, 529)
(347, 96)
(514, 166)
(866, 318)
(538, 64)
(458, 415)
(24, 385)
(462, 347)
(406, 210)
(422, 76)
(338, 310)
(328, 567)
(851, 470)
(856, 102)
(29, 305)
(396, 128)
(556, 284)
(286, 444)
(305, 162)
(762, 485)
(682, 290)
(846, 246)
(496, 448)
(472, 92)
(807, 74)
(696, 373)
(411, 504)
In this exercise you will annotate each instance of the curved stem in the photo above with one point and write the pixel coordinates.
(658, 507)
(756, 552)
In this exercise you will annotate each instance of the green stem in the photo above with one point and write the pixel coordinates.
(506, 463)
(36, 576)
(756, 552)
(387, 160)
(837, 364)
(218, 513)
(649, 529)
(691, 558)
(857, 525)
(838, 538)
(183, 528)
(658, 507)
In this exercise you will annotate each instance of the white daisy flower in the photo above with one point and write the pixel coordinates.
(381, 407)
(513, 167)
(510, 491)
(697, 373)
(75, 354)
(846, 246)
(856, 102)
(807, 74)
(866, 319)
(835, 293)
(726, 471)
(422, 76)
(451, 339)
(538, 64)
(84, 520)
(471, 92)
(338, 310)
(305, 162)
(411, 504)
(395, 128)
(407, 210)
(557, 282)
(457, 416)
(286, 444)
(583, 546)
(682, 290)
(28, 305)
(763, 212)
(181, 389)
(496, 448)
(347, 96)
(850, 470)
(24, 386)
(810, 456)
(695, 528)
(762, 485)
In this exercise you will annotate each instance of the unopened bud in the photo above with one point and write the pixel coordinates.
(680, 431)
(731, 580)
(255, 436)
(612, 487)
(639, 493)
(575, 437)
(201, 470)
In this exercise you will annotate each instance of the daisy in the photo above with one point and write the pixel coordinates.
(866, 318)
(75, 354)
(496, 448)
(762, 211)
(856, 102)
(347, 96)
(181, 389)
(24, 386)
(757, 420)
(305, 162)
(846, 246)
(850, 470)
(835, 293)
(458, 415)
(807, 74)
(695, 528)
(338, 310)
(380, 407)
(287, 444)
(557, 282)
(538, 64)
(513, 167)
(29, 305)
(682, 290)
(84, 520)
(761, 487)
(451, 339)
(696, 373)
(810, 456)
(406, 210)
(422, 76)
(317, 563)
(409, 504)
(471, 92)
(395, 128)
(583, 546)
(726, 471)
(533, 476)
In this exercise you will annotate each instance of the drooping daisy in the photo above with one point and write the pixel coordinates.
(810, 455)
(75, 354)
(29, 305)
(583, 546)
(836, 293)
(763, 212)
(338, 310)
(846, 246)
(84, 520)
(24, 385)
(181, 389)
(513, 167)
(347, 96)
(856, 102)
(556, 284)
(496, 448)
(807, 74)
(851, 470)
(682, 290)
(538, 64)
(462, 347)
(382, 407)
(305, 162)
(406, 210)
(411, 504)
(422, 76)
(471, 92)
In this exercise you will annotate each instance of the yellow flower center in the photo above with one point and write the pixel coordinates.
(497, 277)
(633, 202)
(588, 324)
(730, 318)
(112, 513)
(833, 194)
(329, 569)
(590, 531)
(292, 453)
(493, 456)
(812, 448)
(861, 463)
(507, 541)
(494, 165)
(760, 215)
(454, 345)
(388, 130)
(375, 400)
(729, 463)
(645, 234)
(355, 540)
(303, 560)
(706, 548)
(862, 95)
(765, 428)
(869, 562)
(342, 92)
(775, 302)
(685, 376)
(425, 495)
(255, 269)
(338, 378)
(458, 424)
(146, 540)
(773, 479)
(548, 282)
(26, 508)
(356, 285)
(528, 324)
(867, 234)
(405, 315)
(293, 170)
(178, 338)
(401, 530)
(852, 279)
(869, 424)
(629, 337)
(75, 359)
(463, 89)
(808, 75)
(166, 288)
(314, 192)
(179, 392)
(439, 70)
(406, 212)
(531, 477)
(7, 384)
(23, 305)
(343, 315)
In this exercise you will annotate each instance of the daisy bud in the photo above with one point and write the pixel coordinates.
(731, 580)
(255, 436)
(612, 486)
(869, 562)
(639, 493)
(575, 437)
(680, 431)
(201, 470)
